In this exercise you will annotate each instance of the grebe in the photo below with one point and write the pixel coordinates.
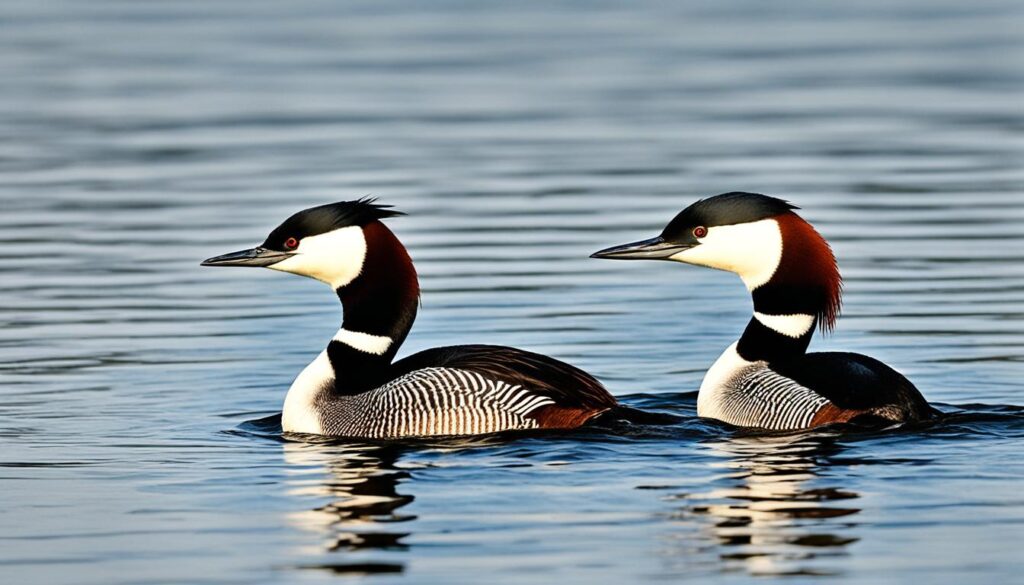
(766, 379)
(353, 389)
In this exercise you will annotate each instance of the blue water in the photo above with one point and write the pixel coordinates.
(137, 390)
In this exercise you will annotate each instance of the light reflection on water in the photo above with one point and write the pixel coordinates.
(362, 511)
(139, 138)
(774, 517)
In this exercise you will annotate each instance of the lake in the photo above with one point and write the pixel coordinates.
(138, 390)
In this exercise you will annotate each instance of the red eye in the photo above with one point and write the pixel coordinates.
(291, 243)
(700, 231)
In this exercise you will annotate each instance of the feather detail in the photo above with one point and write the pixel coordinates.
(566, 385)
(808, 265)
(433, 402)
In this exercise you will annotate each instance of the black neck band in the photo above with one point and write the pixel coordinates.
(381, 301)
(760, 342)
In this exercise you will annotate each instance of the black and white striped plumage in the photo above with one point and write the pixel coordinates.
(805, 391)
(466, 390)
(757, 396)
(431, 402)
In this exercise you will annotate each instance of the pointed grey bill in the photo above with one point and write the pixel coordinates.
(652, 249)
(250, 257)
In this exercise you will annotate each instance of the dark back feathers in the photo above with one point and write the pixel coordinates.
(567, 385)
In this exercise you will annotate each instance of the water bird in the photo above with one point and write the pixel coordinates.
(767, 379)
(353, 389)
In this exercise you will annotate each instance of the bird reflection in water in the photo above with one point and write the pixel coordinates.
(770, 512)
(360, 517)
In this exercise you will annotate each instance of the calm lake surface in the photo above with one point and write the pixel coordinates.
(137, 138)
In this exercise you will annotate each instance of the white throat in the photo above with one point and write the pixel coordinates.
(299, 414)
(375, 344)
(795, 326)
(751, 250)
(725, 368)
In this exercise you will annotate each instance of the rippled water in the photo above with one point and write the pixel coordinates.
(137, 391)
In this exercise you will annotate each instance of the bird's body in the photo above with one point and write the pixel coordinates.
(355, 389)
(806, 391)
(456, 390)
(767, 379)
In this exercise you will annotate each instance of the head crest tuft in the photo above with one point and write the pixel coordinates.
(327, 218)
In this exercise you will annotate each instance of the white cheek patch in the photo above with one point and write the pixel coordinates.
(789, 325)
(334, 257)
(751, 250)
(375, 344)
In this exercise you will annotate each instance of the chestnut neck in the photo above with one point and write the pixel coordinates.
(381, 301)
(806, 282)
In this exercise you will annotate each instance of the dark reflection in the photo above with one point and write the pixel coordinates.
(771, 512)
(361, 517)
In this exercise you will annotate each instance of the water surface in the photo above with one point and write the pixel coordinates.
(138, 138)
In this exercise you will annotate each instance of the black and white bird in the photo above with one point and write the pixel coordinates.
(353, 389)
(767, 379)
